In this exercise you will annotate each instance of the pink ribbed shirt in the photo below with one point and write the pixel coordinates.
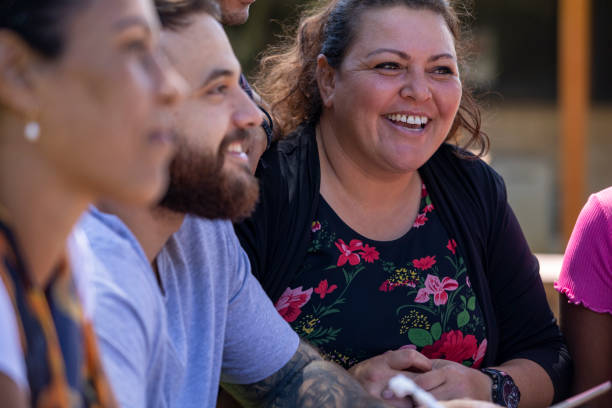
(586, 275)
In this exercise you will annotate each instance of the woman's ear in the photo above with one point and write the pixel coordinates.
(18, 66)
(326, 80)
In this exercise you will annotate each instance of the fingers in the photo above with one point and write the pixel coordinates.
(408, 359)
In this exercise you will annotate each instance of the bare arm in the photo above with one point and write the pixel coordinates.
(589, 339)
(305, 381)
(10, 394)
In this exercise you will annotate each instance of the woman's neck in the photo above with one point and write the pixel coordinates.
(42, 209)
(380, 205)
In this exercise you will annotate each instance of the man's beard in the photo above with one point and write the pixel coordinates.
(200, 186)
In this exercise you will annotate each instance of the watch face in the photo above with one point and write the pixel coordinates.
(510, 394)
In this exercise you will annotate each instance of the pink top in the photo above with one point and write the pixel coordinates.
(586, 275)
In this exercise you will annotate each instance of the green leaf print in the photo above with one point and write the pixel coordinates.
(436, 330)
(420, 337)
(471, 304)
(463, 318)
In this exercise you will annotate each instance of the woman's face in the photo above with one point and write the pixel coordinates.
(99, 104)
(394, 98)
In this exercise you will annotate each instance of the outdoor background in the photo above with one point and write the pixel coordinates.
(516, 72)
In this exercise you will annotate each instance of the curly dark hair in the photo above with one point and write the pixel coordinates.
(286, 77)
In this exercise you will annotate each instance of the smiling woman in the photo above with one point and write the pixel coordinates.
(397, 240)
(80, 88)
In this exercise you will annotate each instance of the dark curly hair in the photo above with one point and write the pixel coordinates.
(286, 78)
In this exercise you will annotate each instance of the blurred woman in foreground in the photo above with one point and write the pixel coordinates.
(79, 90)
(380, 239)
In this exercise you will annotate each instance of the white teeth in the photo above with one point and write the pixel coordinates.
(235, 148)
(410, 119)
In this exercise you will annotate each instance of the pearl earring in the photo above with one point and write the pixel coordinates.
(32, 131)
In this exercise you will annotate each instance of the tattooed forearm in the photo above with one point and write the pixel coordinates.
(305, 381)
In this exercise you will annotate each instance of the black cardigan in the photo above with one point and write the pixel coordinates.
(470, 198)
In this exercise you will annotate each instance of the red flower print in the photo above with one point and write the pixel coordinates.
(323, 288)
(369, 254)
(423, 190)
(291, 301)
(452, 245)
(348, 252)
(424, 263)
(479, 354)
(452, 346)
(316, 226)
(420, 220)
(438, 289)
(428, 208)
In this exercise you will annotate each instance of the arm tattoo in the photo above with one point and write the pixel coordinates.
(305, 381)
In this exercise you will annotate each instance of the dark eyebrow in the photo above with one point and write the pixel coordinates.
(132, 21)
(401, 54)
(405, 56)
(217, 73)
(440, 56)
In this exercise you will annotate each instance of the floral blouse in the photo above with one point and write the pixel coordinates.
(356, 298)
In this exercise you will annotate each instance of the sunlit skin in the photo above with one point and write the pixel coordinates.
(107, 113)
(96, 105)
(402, 61)
(216, 104)
(235, 12)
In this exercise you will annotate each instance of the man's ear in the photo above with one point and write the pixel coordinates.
(18, 66)
(326, 80)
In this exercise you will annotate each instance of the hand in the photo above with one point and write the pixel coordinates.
(374, 373)
(466, 403)
(449, 380)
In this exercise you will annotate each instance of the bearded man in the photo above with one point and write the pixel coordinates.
(176, 307)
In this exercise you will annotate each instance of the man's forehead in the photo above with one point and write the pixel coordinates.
(199, 49)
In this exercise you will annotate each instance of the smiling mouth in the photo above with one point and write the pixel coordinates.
(408, 121)
(236, 149)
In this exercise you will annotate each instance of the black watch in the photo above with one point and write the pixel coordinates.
(504, 391)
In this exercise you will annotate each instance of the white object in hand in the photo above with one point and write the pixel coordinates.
(402, 386)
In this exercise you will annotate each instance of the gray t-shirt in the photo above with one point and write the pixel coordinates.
(211, 321)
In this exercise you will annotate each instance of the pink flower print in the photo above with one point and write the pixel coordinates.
(438, 289)
(420, 220)
(316, 226)
(369, 254)
(479, 354)
(467, 281)
(291, 301)
(323, 288)
(424, 263)
(452, 245)
(423, 190)
(428, 208)
(348, 252)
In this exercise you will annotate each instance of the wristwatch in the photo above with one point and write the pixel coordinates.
(504, 391)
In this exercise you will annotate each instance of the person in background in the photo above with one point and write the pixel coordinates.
(80, 88)
(585, 287)
(377, 237)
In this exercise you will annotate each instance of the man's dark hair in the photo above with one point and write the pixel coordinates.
(175, 14)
